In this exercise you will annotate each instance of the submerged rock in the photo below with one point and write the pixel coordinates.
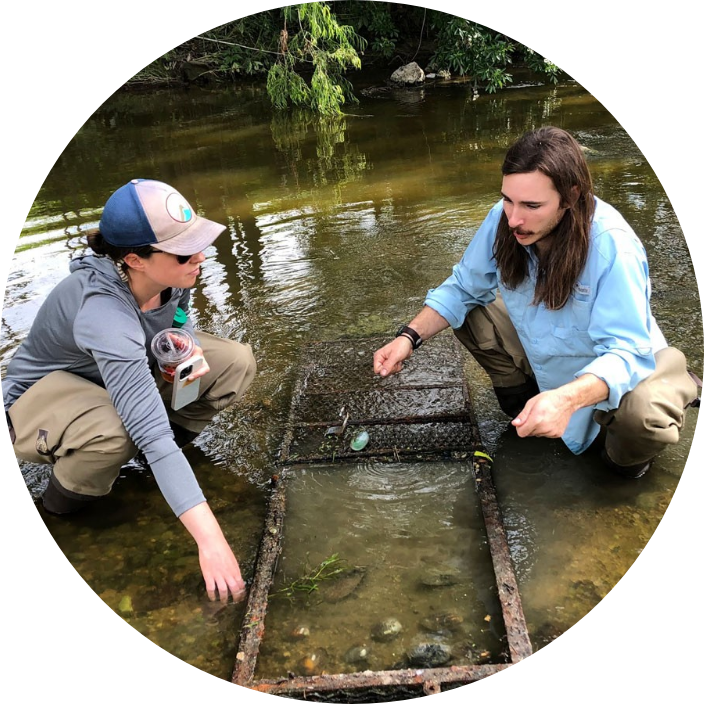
(125, 606)
(343, 585)
(357, 654)
(443, 623)
(313, 663)
(477, 656)
(429, 655)
(300, 632)
(387, 630)
(443, 577)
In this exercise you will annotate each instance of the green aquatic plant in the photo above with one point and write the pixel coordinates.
(311, 579)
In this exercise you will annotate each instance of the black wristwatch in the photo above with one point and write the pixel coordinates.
(411, 334)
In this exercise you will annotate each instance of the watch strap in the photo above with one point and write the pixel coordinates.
(411, 334)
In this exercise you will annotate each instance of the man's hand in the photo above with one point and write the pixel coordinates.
(548, 414)
(218, 564)
(544, 416)
(390, 358)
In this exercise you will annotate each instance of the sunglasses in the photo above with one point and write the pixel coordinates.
(180, 258)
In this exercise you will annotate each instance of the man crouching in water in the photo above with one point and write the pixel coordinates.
(552, 298)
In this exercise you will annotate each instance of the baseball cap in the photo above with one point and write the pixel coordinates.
(145, 212)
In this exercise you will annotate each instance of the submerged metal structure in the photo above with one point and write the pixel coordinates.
(425, 413)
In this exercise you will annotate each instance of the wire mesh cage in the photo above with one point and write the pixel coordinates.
(423, 413)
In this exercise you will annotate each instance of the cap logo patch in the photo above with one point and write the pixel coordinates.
(178, 208)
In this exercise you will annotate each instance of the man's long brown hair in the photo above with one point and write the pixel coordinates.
(555, 153)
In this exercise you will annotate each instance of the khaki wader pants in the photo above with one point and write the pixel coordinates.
(70, 422)
(649, 417)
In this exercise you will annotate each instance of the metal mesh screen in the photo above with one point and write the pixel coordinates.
(423, 411)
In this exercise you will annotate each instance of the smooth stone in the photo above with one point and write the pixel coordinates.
(442, 624)
(387, 630)
(313, 664)
(441, 578)
(357, 654)
(300, 632)
(429, 655)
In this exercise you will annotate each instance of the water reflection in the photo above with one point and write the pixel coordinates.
(318, 155)
(339, 227)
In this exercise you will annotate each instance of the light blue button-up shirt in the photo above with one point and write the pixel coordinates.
(606, 328)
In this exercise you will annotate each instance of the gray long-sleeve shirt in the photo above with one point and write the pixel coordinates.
(91, 325)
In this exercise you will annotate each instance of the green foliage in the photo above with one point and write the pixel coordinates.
(305, 50)
(312, 35)
(538, 64)
(284, 85)
(375, 20)
(469, 49)
(244, 47)
(238, 60)
(159, 71)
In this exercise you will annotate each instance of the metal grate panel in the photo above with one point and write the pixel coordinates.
(423, 412)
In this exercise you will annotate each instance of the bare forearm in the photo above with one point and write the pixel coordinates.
(389, 359)
(428, 323)
(200, 522)
(549, 413)
(584, 391)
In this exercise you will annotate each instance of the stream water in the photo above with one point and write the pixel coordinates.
(339, 227)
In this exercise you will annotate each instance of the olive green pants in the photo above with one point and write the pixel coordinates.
(649, 417)
(70, 422)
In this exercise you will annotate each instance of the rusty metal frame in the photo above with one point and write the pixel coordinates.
(410, 681)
